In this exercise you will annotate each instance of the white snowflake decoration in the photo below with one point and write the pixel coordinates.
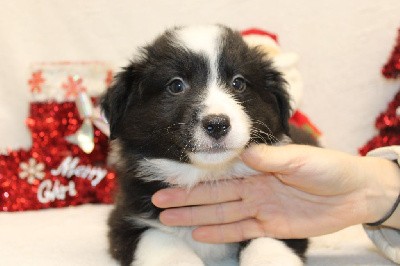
(31, 170)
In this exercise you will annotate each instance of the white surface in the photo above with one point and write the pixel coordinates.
(77, 236)
(342, 46)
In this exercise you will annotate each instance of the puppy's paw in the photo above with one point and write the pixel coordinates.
(268, 252)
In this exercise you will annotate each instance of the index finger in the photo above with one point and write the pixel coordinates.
(222, 191)
(275, 159)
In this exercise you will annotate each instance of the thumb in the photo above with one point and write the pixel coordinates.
(273, 159)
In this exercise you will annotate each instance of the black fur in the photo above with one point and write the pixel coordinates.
(149, 122)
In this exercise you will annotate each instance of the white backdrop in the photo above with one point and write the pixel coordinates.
(342, 45)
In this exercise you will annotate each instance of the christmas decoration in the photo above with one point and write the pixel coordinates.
(84, 136)
(109, 78)
(31, 170)
(73, 86)
(57, 171)
(388, 122)
(286, 62)
(302, 121)
(36, 82)
(392, 68)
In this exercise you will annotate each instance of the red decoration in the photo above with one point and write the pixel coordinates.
(392, 67)
(73, 86)
(256, 31)
(388, 122)
(109, 78)
(35, 83)
(54, 172)
(302, 121)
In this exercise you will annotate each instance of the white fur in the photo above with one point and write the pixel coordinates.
(202, 39)
(188, 175)
(210, 160)
(175, 246)
(268, 252)
(170, 250)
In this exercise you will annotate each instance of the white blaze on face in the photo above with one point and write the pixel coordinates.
(203, 40)
(207, 40)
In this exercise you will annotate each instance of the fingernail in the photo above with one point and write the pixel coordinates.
(169, 217)
(200, 235)
(160, 198)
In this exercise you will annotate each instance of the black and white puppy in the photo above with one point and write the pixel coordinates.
(180, 114)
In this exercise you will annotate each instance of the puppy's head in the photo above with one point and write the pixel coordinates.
(197, 95)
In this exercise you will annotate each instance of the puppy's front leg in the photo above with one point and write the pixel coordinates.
(157, 248)
(266, 251)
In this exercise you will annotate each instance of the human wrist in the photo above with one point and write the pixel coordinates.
(382, 190)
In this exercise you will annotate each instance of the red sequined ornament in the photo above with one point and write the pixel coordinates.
(392, 67)
(388, 122)
(54, 172)
(391, 117)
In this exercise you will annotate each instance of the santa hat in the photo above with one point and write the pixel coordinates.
(265, 39)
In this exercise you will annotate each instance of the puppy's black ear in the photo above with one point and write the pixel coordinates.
(116, 99)
(278, 86)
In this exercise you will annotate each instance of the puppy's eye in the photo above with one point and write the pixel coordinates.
(239, 83)
(176, 86)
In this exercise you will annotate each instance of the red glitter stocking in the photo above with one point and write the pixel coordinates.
(55, 172)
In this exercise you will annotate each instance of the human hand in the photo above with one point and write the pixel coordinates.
(303, 191)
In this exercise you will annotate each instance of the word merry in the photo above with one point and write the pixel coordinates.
(49, 192)
(69, 167)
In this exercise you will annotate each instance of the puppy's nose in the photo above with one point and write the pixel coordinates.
(216, 126)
